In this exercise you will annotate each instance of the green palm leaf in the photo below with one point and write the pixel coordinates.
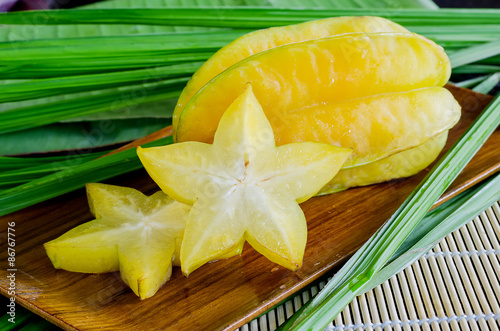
(28, 32)
(248, 18)
(68, 70)
(39, 115)
(25, 172)
(71, 178)
(42, 88)
(83, 136)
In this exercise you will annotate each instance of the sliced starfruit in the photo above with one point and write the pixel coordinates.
(329, 74)
(262, 40)
(132, 233)
(243, 187)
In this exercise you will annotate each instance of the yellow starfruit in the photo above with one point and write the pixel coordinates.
(243, 187)
(403, 164)
(378, 93)
(262, 40)
(132, 233)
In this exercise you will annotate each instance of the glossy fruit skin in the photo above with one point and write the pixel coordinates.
(321, 74)
(376, 126)
(262, 40)
(267, 40)
(403, 164)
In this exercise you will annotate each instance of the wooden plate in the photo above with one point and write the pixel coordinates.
(223, 294)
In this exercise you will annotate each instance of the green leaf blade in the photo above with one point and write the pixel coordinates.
(383, 244)
(253, 18)
(475, 53)
(79, 136)
(42, 88)
(71, 179)
(38, 115)
(488, 84)
(438, 223)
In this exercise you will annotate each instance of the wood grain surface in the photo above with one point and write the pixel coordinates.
(220, 295)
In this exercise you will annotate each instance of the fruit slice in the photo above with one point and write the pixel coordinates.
(326, 71)
(236, 250)
(262, 40)
(399, 165)
(243, 187)
(132, 233)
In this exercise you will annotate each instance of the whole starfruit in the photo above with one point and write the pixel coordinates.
(262, 40)
(379, 93)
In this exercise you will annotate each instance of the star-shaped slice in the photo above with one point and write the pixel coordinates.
(243, 187)
(132, 233)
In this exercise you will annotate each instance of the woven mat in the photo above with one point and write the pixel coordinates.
(455, 286)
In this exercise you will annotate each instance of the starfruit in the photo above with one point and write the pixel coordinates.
(132, 233)
(378, 93)
(262, 40)
(403, 164)
(243, 187)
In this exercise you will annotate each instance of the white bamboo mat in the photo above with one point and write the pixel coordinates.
(456, 286)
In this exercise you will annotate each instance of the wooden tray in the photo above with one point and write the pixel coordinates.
(219, 295)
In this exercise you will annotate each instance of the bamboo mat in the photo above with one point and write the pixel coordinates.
(455, 286)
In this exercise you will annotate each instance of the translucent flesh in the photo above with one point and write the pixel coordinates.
(243, 187)
(132, 233)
